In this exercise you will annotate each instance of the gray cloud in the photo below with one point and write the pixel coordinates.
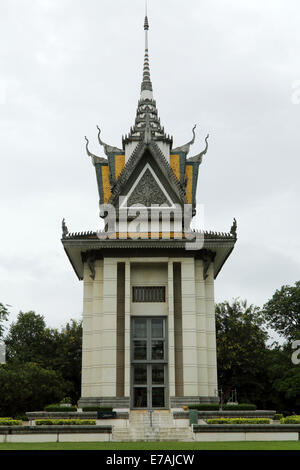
(69, 65)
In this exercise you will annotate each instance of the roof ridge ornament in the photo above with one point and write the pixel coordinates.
(107, 148)
(186, 148)
(95, 158)
(233, 229)
(64, 227)
(198, 158)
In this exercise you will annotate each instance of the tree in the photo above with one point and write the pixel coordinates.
(3, 317)
(28, 387)
(28, 340)
(282, 311)
(284, 379)
(241, 350)
(67, 356)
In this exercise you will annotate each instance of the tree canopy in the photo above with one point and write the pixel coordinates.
(282, 311)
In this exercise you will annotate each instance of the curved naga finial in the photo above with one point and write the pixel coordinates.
(90, 154)
(186, 148)
(233, 229)
(107, 148)
(198, 158)
(65, 230)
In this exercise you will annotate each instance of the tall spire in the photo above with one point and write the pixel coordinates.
(147, 127)
(146, 88)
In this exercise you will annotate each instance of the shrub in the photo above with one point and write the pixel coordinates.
(216, 407)
(63, 422)
(204, 406)
(295, 419)
(65, 400)
(238, 421)
(277, 416)
(60, 408)
(10, 422)
(105, 409)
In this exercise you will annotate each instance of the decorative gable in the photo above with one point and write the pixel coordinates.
(148, 190)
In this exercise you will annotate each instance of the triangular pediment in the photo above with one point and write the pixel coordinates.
(147, 190)
(159, 174)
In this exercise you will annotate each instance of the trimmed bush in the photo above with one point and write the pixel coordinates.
(216, 407)
(64, 422)
(277, 417)
(60, 408)
(10, 422)
(238, 421)
(204, 407)
(295, 419)
(104, 409)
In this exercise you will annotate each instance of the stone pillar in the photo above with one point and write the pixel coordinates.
(97, 360)
(171, 339)
(211, 333)
(87, 339)
(201, 330)
(189, 328)
(109, 328)
(127, 328)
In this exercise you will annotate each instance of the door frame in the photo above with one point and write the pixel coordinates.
(148, 362)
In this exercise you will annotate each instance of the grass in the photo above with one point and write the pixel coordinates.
(271, 445)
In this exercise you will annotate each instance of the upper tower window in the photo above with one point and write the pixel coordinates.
(148, 294)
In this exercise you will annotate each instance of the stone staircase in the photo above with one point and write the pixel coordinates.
(159, 427)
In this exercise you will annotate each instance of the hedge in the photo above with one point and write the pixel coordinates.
(10, 422)
(62, 422)
(105, 409)
(277, 416)
(216, 407)
(60, 408)
(238, 421)
(295, 419)
(204, 407)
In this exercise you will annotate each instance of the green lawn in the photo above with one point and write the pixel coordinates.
(280, 445)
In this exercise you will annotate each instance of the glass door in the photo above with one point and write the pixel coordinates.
(149, 365)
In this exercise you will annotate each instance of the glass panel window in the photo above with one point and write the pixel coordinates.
(140, 350)
(140, 328)
(157, 328)
(140, 375)
(157, 350)
(158, 375)
(140, 397)
(158, 396)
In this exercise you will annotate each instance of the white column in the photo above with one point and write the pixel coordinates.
(211, 333)
(201, 330)
(87, 336)
(97, 353)
(171, 345)
(127, 328)
(189, 327)
(109, 328)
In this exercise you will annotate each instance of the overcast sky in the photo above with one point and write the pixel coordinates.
(228, 65)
